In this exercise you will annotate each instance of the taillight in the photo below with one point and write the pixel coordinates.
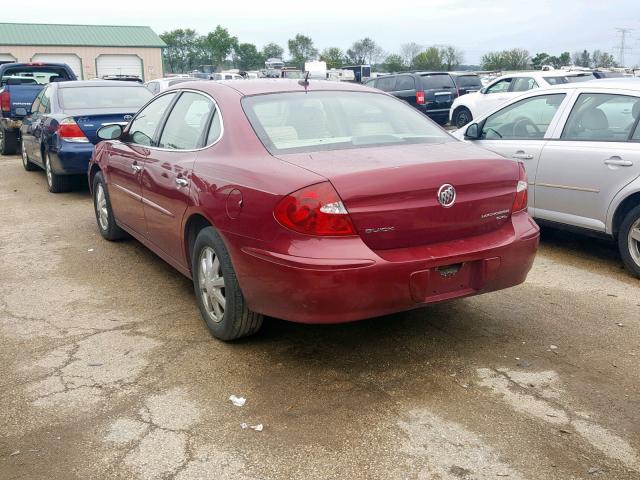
(315, 210)
(420, 98)
(520, 202)
(69, 130)
(5, 101)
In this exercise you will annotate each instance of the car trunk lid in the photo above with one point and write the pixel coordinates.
(90, 121)
(391, 193)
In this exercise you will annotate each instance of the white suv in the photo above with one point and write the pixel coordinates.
(471, 106)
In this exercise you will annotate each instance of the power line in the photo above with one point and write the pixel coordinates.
(622, 47)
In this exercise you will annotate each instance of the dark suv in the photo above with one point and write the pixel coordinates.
(430, 92)
(466, 82)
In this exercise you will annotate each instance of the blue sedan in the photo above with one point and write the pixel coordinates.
(60, 132)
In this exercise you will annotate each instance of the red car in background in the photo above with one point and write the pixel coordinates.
(315, 202)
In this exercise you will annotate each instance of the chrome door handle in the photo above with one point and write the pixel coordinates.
(181, 182)
(618, 161)
(522, 156)
(136, 168)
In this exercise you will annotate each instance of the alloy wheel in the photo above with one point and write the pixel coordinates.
(25, 159)
(101, 208)
(1, 139)
(462, 119)
(211, 282)
(634, 241)
(47, 166)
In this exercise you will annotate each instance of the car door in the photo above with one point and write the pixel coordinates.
(494, 95)
(405, 89)
(168, 170)
(37, 128)
(594, 157)
(127, 160)
(519, 131)
(29, 123)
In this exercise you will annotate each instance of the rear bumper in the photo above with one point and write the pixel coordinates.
(71, 158)
(308, 289)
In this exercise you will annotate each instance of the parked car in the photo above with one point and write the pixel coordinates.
(60, 133)
(607, 74)
(162, 84)
(466, 82)
(323, 204)
(430, 92)
(507, 87)
(581, 147)
(19, 85)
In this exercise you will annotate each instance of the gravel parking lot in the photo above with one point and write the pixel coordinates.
(107, 371)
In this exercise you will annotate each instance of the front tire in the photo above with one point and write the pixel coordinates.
(461, 117)
(26, 163)
(629, 241)
(8, 142)
(107, 225)
(220, 300)
(56, 183)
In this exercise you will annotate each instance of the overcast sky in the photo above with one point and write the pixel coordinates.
(475, 26)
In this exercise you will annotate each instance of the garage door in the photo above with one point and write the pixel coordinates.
(119, 65)
(6, 58)
(69, 58)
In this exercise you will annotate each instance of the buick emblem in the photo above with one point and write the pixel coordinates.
(128, 117)
(447, 195)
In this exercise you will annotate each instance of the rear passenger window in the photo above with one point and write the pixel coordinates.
(215, 129)
(523, 84)
(603, 117)
(405, 82)
(386, 84)
(186, 123)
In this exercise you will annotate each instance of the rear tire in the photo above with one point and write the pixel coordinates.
(461, 117)
(8, 142)
(220, 300)
(629, 241)
(26, 163)
(56, 183)
(105, 219)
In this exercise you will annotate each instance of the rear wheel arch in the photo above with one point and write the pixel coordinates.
(92, 174)
(622, 210)
(193, 225)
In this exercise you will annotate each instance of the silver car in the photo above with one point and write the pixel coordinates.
(580, 144)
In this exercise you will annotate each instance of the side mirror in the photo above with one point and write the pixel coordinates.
(483, 90)
(110, 132)
(473, 132)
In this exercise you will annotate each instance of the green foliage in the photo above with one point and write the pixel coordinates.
(334, 57)
(247, 57)
(301, 50)
(272, 50)
(513, 59)
(218, 45)
(184, 50)
(393, 63)
(430, 59)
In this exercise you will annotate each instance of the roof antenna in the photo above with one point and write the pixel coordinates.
(305, 82)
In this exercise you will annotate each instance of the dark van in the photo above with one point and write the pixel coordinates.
(466, 82)
(430, 92)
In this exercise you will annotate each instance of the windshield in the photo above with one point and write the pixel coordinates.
(30, 75)
(319, 121)
(131, 98)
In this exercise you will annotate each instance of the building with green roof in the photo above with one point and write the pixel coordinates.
(90, 50)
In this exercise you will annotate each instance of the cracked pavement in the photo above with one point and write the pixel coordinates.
(107, 371)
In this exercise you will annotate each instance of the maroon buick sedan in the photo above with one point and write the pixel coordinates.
(319, 203)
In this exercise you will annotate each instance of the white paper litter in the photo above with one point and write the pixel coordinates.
(257, 428)
(237, 401)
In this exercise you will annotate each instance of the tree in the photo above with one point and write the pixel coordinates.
(333, 56)
(564, 59)
(540, 60)
(602, 59)
(183, 52)
(451, 57)
(393, 63)
(582, 59)
(272, 50)
(301, 49)
(218, 45)
(408, 51)
(430, 59)
(514, 59)
(247, 57)
(364, 51)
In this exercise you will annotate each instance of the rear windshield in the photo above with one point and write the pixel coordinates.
(610, 75)
(320, 121)
(437, 81)
(557, 80)
(465, 81)
(31, 75)
(129, 97)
